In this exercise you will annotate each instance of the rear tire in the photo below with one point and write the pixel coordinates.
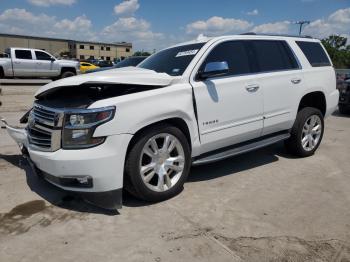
(306, 133)
(168, 163)
(2, 75)
(67, 74)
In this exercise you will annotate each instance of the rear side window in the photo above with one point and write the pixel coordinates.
(23, 54)
(273, 55)
(314, 53)
(234, 53)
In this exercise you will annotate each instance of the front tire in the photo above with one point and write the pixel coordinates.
(158, 164)
(306, 133)
(67, 74)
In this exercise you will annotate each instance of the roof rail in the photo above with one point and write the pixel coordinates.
(284, 35)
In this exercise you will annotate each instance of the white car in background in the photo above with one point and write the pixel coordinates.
(141, 128)
(25, 62)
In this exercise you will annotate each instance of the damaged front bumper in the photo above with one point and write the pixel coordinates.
(81, 174)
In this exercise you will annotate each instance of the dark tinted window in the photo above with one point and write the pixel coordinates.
(81, 46)
(172, 61)
(273, 56)
(130, 61)
(234, 53)
(314, 53)
(23, 54)
(42, 56)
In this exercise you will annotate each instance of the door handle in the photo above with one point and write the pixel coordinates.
(296, 80)
(252, 88)
(17, 62)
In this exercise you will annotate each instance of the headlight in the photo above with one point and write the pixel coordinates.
(80, 125)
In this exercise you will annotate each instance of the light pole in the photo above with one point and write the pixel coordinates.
(301, 23)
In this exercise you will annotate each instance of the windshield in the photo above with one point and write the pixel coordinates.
(172, 61)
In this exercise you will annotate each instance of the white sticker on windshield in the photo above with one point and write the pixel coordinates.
(188, 52)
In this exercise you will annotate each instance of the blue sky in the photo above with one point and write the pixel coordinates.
(154, 24)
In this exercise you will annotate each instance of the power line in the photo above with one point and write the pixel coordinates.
(301, 23)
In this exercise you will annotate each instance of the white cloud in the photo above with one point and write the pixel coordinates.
(20, 21)
(273, 28)
(138, 31)
(127, 7)
(336, 23)
(217, 25)
(253, 12)
(47, 3)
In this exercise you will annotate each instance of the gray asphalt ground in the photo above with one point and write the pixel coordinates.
(260, 206)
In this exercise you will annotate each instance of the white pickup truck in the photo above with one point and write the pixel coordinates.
(24, 62)
(143, 127)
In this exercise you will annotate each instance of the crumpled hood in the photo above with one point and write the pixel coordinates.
(126, 75)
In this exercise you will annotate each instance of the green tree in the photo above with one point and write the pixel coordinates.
(338, 50)
(142, 53)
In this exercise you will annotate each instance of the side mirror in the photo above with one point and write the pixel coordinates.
(213, 69)
(52, 59)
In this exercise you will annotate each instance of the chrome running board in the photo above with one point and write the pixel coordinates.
(239, 149)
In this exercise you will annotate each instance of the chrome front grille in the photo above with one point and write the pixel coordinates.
(44, 128)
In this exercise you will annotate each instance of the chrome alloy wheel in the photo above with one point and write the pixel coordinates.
(162, 162)
(311, 132)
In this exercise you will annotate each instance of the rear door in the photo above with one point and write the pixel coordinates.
(280, 77)
(230, 106)
(23, 63)
(45, 64)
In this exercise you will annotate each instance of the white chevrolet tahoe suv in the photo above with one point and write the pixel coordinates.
(25, 62)
(143, 127)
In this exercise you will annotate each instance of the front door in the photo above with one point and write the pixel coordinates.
(229, 107)
(45, 64)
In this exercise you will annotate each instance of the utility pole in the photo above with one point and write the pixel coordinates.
(301, 23)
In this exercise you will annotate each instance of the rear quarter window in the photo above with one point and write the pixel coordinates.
(314, 53)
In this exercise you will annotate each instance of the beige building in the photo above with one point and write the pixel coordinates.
(51, 45)
(97, 50)
(71, 48)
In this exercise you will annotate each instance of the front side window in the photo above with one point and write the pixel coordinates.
(42, 56)
(232, 52)
(271, 55)
(172, 61)
(314, 53)
(23, 54)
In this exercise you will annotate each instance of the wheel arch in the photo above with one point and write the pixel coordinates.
(316, 99)
(172, 121)
(68, 69)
